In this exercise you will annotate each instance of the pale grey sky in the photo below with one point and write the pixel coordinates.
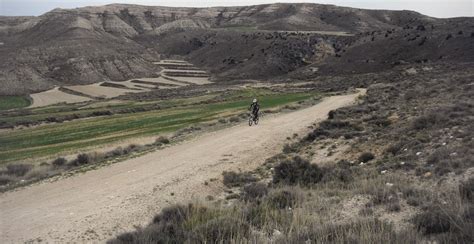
(435, 8)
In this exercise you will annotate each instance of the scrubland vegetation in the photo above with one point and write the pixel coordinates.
(405, 177)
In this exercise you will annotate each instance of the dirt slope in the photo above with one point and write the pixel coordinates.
(96, 205)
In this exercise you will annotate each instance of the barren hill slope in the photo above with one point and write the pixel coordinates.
(119, 42)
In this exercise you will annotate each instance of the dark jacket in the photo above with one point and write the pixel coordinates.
(254, 107)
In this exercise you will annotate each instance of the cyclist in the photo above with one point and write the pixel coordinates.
(254, 108)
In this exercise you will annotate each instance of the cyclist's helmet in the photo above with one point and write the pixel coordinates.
(254, 100)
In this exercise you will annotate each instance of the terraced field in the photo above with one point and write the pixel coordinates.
(169, 116)
(175, 73)
(55, 96)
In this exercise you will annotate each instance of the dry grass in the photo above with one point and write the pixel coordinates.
(233, 179)
(15, 175)
(402, 139)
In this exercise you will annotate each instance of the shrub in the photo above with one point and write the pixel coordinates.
(188, 224)
(438, 156)
(290, 148)
(283, 199)
(317, 133)
(176, 214)
(429, 120)
(51, 119)
(331, 114)
(382, 122)
(340, 172)
(432, 221)
(38, 173)
(133, 148)
(386, 196)
(366, 157)
(297, 171)
(82, 159)
(395, 148)
(6, 179)
(59, 162)
(162, 140)
(101, 113)
(18, 169)
(233, 179)
(116, 152)
(234, 119)
(255, 191)
(394, 206)
(414, 196)
(166, 227)
(128, 237)
(334, 124)
(466, 190)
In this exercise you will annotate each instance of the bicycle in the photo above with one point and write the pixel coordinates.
(253, 119)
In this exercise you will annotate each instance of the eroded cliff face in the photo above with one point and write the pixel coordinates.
(118, 42)
(132, 20)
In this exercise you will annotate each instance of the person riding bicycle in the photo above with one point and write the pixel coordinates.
(254, 108)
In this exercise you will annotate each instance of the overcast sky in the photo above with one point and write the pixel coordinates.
(435, 8)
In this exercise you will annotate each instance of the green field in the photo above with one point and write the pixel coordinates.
(11, 102)
(79, 134)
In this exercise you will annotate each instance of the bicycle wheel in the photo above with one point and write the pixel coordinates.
(250, 121)
(256, 121)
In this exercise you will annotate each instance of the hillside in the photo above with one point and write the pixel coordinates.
(120, 42)
(364, 135)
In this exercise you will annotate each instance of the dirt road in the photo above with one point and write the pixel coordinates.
(96, 205)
